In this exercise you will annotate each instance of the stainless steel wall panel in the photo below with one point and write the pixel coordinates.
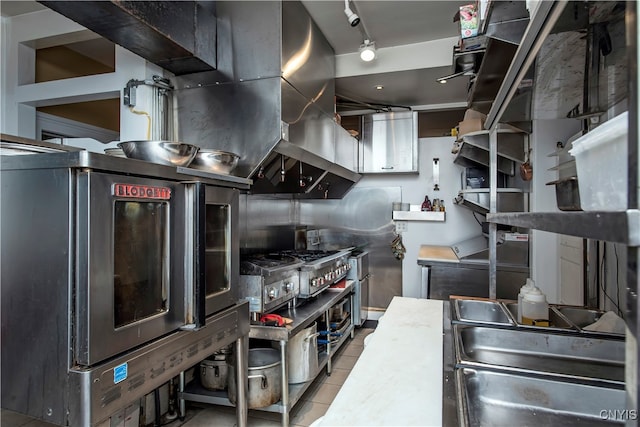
(267, 223)
(250, 39)
(179, 36)
(363, 219)
(243, 118)
(309, 127)
(308, 60)
(32, 381)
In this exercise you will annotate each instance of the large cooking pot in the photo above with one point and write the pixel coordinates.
(302, 356)
(265, 379)
(214, 372)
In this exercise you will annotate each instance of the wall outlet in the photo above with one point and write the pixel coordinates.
(401, 226)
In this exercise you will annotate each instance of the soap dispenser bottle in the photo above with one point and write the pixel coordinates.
(535, 309)
(426, 205)
(528, 286)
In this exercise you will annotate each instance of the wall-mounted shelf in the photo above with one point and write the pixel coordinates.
(415, 214)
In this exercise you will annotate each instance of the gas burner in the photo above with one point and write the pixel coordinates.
(270, 260)
(310, 255)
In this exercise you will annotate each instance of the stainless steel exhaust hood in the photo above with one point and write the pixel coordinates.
(179, 36)
(271, 100)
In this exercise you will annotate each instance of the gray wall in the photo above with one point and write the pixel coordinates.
(459, 224)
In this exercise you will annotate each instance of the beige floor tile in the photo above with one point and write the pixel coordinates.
(360, 336)
(324, 393)
(270, 416)
(344, 362)
(306, 412)
(35, 423)
(260, 422)
(353, 349)
(337, 377)
(214, 416)
(14, 419)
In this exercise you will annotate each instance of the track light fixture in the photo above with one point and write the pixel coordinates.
(368, 51)
(353, 19)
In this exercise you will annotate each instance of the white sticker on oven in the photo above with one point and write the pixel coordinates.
(120, 373)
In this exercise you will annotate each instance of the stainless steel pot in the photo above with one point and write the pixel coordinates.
(214, 372)
(265, 379)
(567, 193)
(302, 355)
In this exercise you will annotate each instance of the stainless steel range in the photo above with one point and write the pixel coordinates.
(268, 281)
(321, 269)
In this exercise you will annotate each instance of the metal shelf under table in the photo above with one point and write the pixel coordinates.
(302, 317)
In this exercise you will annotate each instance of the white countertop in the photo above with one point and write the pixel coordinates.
(397, 380)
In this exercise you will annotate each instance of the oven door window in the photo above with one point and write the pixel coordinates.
(140, 260)
(217, 248)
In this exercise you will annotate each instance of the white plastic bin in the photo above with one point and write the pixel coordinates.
(601, 162)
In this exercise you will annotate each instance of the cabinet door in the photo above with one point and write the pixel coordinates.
(389, 143)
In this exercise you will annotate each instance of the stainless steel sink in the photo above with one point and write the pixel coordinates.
(556, 320)
(483, 312)
(490, 398)
(574, 357)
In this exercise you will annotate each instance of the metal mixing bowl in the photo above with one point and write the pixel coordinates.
(115, 152)
(169, 153)
(215, 161)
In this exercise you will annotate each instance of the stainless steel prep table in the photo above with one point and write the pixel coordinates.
(302, 317)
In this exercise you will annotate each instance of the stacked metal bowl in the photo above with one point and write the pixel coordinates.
(171, 153)
(215, 161)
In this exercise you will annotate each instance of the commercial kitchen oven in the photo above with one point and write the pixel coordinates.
(103, 282)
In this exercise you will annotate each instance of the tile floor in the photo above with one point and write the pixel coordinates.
(310, 407)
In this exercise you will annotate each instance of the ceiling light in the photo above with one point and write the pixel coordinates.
(353, 19)
(368, 51)
(379, 87)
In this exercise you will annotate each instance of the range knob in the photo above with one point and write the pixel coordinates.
(320, 281)
(328, 275)
(272, 293)
(288, 287)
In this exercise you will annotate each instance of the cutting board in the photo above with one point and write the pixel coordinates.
(437, 253)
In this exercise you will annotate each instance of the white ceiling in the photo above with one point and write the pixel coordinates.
(390, 23)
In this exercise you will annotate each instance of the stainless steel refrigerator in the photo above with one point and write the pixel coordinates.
(359, 273)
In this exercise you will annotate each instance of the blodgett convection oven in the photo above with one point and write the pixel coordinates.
(117, 275)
